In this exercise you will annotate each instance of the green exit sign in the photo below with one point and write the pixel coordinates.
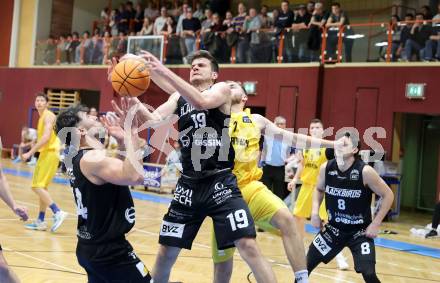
(415, 91)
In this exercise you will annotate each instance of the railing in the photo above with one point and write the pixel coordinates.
(363, 42)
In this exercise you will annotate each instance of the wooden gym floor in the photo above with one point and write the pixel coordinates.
(47, 257)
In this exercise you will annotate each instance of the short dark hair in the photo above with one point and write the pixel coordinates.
(336, 4)
(285, 1)
(411, 15)
(420, 14)
(316, 120)
(355, 139)
(396, 16)
(205, 54)
(69, 118)
(43, 95)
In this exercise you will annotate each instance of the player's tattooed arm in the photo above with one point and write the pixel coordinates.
(318, 196)
(373, 181)
(268, 128)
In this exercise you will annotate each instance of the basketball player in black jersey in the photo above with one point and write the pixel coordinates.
(348, 183)
(104, 204)
(207, 186)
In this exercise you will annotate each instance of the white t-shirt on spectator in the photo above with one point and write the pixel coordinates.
(159, 24)
(436, 24)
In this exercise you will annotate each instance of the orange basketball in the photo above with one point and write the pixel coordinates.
(130, 78)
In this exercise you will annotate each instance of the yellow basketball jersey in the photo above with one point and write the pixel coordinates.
(53, 143)
(313, 159)
(245, 138)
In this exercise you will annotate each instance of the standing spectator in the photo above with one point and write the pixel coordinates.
(227, 22)
(431, 51)
(238, 26)
(50, 51)
(138, 18)
(190, 27)
(284, 20)
(106, 48)
(161, 21)
(208, 19)
(151, 12)
(426, 12)
(121, 49)
(315, 31)
(405, 33)
(252, 26)
(71, 51)
(121, 19)
(266, 21)
(147, 28)
(198, 11)
(105, 14)
(84, 49)
(301, 34)
(274, 156)
(213, 39)
(397, 34)
(311, 7)
(96, 51)
(67, 47)
(131, 13)
(61, 47)
(185, 8)
(419, 34)
(335, 21)
(113, 24)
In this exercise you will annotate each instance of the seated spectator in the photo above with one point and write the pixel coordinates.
(121, 48)
(405, 33)
(113, 24)
(160, 21)
(151, 12)
(138, 18)
(147, 28)
(50, 51)
(317, 22)
(131, 12)
(426, 12)
(335, 21)
(190, 27)
(105, 14)
(396, 37)
(242, 42)
(419, 34)
(431, 51)
(284, 20)
(168, 27)
(251, 26)
(73, 46)
(301, 35)
(28, 139)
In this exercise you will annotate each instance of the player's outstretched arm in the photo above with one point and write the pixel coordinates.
(318, 196)
(215, 97)
(379, 187)
(297, 140)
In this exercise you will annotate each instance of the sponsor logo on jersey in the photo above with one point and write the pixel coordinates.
(347, 193)
(333, 173)
(130, 215)
(246, 119)
(240, 141)
(219, 186)
(321, 245)
(349, 219)
(183, 195)
(208, 142)
(185, 141)
(171, 229)
(186, 108)
(354, 175)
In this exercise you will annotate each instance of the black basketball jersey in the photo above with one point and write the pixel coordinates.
(347, 199)
(204, 139)
(105, 212)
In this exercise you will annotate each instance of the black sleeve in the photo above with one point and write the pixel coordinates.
(330, 153)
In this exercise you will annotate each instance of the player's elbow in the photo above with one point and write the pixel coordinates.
(136, 179)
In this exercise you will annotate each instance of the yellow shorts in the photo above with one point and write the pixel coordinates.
(303, 204)
(263, 205)
(45, 169)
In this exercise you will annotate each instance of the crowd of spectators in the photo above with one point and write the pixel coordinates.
(255, 34)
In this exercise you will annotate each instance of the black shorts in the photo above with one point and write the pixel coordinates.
(330, 241)
(122, 267)
(216, 196)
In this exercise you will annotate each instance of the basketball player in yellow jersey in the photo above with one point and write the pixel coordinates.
(308, 171)
(269, 211)
(48, 145)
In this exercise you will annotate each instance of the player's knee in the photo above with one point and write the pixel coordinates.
(285, 222)
(167, 254)
(247, 247)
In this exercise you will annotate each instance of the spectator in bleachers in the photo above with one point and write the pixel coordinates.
(431, 51)
(160, 21)
(317, 21)
(107, 47)
(84, 49)
(251, 26)
(185, 8)
(190, 27)
(198, 11)
(284, 20)
(67, 47)
(419, 34)
(73, 46)
(61, 48)
(113, 22)
(96, 50)
(93, 112)
(337, 19)
(405, 33)
(121, 48)
(105, 14)
(138, 18)
(50, 51)
(151, 12)
(206, 23)
(131, 12)
(122, 19)
(213, 39)
(28, 139)
(147, 28)
(266, 21)
(426, 12)
(311, 8)
(436, 18)
(396, 37)
(227, 22)
(238, 26)
(301, 34)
